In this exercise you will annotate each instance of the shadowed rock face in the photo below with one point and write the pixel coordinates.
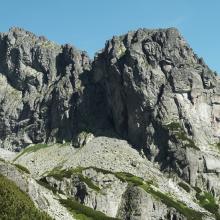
(162, 98)
(153, 78)
(146, 86)
(42, 88)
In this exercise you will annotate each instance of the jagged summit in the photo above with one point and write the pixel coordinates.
(146, 87)
(32, 68)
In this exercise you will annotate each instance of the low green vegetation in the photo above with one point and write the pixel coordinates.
(190, 214)
(2, 160)
(207, 201)
(31, 149)
(197, 189)
(22, 168)
(100, 170)
(60, 174)
(184, 186)
(174, 126)
(218, 146)
(127, 177)
(43, 182)
(82, 212)
(180, 134)
(89, 182)
(164, 198)
(16, 205)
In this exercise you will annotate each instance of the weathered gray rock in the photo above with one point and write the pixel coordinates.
(138, 205)
(142, 96)
(104, 195)
(147, 87)
(93, 175)
(162, 98)
(42, 87)
(106, 192)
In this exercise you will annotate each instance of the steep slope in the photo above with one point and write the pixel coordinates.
(108, 175)
(42, 90)
(23, 198)
(132, 135)
(15, 204)
(165, 101)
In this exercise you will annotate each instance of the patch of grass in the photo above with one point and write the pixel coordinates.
(166, 199)
(218, 146)
(123, 176)
(180, 134)
(127, 177)
(60, 174)
(184, 186)
(101, 170)
(22, 168)
(89, 182)
(15, 204)
(197, 189)
(31, 149)
(2, 160)
(82, 212)
(190, 214)
(174, 126)
(207, 201)
(43, 182)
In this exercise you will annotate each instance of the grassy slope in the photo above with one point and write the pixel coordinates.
(136, 181)
(164, 198)
(16, 205)
(82, 212)
(208, 202)
(31, 149)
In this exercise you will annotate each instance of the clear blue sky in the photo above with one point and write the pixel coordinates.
(87, 24)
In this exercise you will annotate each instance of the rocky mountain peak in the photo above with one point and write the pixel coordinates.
(162, 98)
(147, 87)
(147, 68)
(33, 70)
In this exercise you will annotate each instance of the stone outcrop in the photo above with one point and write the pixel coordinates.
(152, 78)
(147, 87)
(108, 175)
(114, 196)
(42, 90)
(138, 205)
(163, 99)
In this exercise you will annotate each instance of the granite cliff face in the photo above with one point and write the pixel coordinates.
(39, 81)
(164, 100)
(147, 87)
(43, 88)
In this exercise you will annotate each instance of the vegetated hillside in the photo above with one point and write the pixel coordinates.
(133, 134)
(15, 204)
